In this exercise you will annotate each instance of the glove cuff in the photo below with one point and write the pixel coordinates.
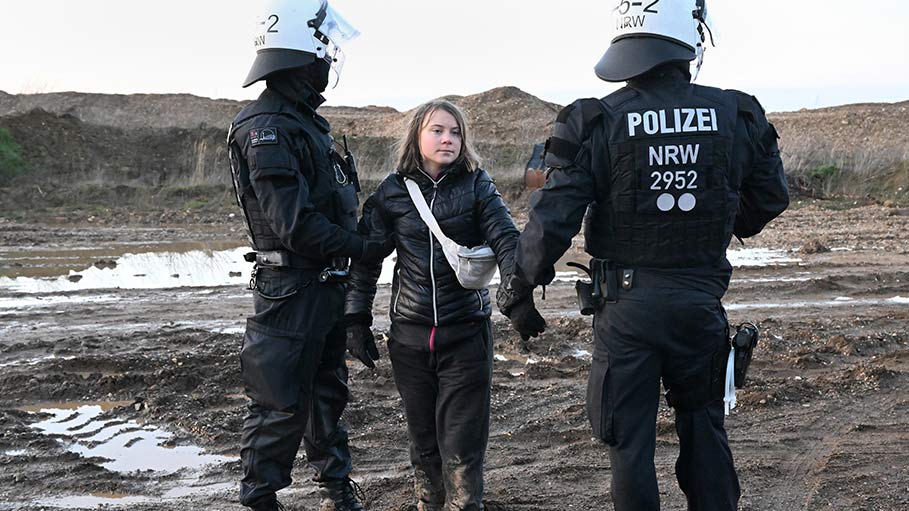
(512, 290)
(355, 248)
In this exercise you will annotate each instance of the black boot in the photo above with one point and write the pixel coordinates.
(341, 495)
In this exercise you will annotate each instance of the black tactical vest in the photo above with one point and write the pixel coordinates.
(670, 192)
(332, 182)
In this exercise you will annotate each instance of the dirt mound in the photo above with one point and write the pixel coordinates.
(73, 151)
(869, 127)
(154, 140)
(508, 115)
(502, 115)
(853, 150)
(133, 111)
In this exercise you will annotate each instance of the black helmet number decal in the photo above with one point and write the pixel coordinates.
(625, 6)
(272, 29)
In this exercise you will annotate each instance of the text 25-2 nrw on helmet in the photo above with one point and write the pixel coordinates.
(294, 33)
(652, 32)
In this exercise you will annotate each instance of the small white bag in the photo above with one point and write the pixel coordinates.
(474, 266)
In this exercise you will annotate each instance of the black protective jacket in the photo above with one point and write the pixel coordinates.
(297, 193)
(425, 290)
(666, 172)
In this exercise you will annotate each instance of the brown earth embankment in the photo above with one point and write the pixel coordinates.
(145, 151)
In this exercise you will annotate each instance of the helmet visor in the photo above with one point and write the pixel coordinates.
(336, 28)
(335, 57)
(337, 31)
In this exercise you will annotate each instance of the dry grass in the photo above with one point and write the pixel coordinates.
(820, 168)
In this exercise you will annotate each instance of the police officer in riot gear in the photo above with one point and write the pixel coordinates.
(667, 173)
(299, 199)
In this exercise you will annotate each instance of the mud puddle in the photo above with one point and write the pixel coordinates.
(96, 433)
(840, 301)
(39, 278)
(181, 265)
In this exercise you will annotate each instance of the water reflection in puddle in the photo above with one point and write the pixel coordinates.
(129, 446)
(191, 488)
(750, 257)
(34, 361)
(151, 270)
(29, 302)
(182, 265)
(840, 301)
(582, 354)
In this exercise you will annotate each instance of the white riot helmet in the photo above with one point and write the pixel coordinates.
(294, 33)
(652, 32)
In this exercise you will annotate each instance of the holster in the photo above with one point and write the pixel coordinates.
(602, 288)
(744, 341)
(586, 303)
(605, 281)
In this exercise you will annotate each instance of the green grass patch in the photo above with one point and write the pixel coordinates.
(11, 162)
(824, 172)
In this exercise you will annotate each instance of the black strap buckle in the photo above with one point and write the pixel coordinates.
(333, 275)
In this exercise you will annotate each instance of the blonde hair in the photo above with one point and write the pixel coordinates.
(408, 147)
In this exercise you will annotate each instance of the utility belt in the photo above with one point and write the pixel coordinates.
(606, 278)
(337, 271)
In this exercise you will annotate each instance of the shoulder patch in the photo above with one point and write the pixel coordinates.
(571, 130)
(748, 105)
(263, 136)
(591, 110)
(565, 113)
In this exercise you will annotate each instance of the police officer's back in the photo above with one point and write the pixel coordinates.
(666, 173)
(299, 200)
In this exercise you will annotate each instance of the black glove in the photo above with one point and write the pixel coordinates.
(526, 319)
(374, 250)
(515, 300)
(362, 344)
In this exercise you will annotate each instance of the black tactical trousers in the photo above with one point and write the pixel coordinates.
(296, 378)
(675, 335)
(446, 396)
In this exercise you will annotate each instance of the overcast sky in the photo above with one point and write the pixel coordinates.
(791, 54)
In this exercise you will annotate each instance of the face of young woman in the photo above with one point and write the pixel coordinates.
(440, 142)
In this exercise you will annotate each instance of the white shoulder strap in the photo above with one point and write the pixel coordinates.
(448, 246)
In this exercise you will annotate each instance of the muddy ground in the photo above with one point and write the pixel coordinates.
(823, 424)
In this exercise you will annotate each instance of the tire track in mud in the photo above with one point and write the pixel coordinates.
(834, 429)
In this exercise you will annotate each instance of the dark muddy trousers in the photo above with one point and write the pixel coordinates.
(295, 375)
(674, 335)
(446, 396)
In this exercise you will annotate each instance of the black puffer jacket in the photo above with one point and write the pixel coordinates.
(425, 290)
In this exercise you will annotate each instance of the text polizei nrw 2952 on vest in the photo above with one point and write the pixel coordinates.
(660, 155)
(677, 120)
